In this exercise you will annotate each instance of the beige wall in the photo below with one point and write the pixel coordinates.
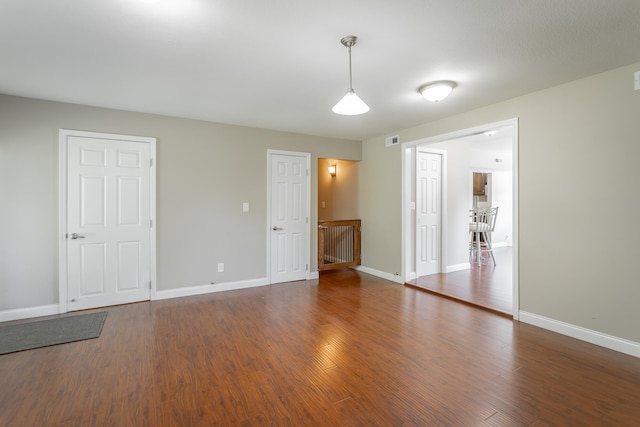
(339, 193)
(205, 171)
(579, 147)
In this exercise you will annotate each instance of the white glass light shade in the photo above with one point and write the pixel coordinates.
(438, 91)
(350, 105)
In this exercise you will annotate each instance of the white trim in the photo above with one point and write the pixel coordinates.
(312, 275)
(495, 245)
(515, 242)
(407, 268)
(594, 337)
(307, 254)
(443, 207)
(210, 288)
(382, 274)
(458, 267)
(62, 206)
(26, 313)
(406, 214)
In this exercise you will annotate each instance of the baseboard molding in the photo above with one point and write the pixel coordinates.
(448, 269)
(26, 313)
(598, 338)
(313, 275)
(458, 267)
(381, 274)
(207, 289)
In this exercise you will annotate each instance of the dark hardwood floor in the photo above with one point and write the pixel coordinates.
(346, 350)
(486, 286)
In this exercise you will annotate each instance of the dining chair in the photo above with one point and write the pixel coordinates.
(482, 222)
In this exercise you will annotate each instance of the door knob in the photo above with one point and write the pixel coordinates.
(274, 228)
(76, 236)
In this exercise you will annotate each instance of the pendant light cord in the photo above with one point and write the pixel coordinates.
(350, 76)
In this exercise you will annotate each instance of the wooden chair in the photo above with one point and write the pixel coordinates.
(482, 222)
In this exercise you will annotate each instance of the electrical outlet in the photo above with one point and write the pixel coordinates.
(636, 80)
(220, 267)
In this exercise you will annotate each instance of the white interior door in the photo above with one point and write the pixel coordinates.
(428, 213)
(108, 227)
(289, 216)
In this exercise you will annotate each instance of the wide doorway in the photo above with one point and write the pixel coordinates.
(491, 150)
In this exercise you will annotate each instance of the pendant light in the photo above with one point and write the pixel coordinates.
(350, 104)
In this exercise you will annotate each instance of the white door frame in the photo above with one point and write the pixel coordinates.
(307, 202)
(442, 262)
(407, 153)
(62, 207)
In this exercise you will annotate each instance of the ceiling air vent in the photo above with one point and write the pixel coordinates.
(391, 140)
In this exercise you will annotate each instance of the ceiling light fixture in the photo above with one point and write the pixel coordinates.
(350, 104)
(437, 91)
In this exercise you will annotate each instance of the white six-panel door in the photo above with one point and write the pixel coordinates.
(428, 213)
(289, 217)
(108, 229)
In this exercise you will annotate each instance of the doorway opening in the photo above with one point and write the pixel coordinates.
(338, 217)
(488, 152)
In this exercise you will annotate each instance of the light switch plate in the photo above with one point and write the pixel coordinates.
(636, 80)
(245, 207)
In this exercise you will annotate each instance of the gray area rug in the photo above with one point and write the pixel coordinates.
(43, 333)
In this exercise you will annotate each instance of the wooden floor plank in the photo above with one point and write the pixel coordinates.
(348, 349)
(487, 286)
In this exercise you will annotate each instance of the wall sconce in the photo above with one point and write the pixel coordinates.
(332, 170)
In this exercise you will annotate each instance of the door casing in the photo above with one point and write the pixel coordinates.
(431, 241)
(64, 134)
(407, 153)
(306, 204)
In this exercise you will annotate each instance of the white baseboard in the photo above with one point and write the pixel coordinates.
(458, 267)
(26, 313)
(598, 338)
(449, 269)
(378, 273)
(207, 289)
(503, 244)
(313, 275)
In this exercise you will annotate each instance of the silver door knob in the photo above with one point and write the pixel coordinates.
(274, 228)
(76, 236)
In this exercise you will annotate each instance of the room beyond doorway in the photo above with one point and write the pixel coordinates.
(466, 153)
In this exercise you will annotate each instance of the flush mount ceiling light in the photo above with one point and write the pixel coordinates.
(437, 91)
(350, 104)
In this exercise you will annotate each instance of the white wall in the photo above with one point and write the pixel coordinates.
(461, 163)
(205, 171)
(578, 151)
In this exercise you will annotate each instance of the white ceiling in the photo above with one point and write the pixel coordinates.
(279, 64)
